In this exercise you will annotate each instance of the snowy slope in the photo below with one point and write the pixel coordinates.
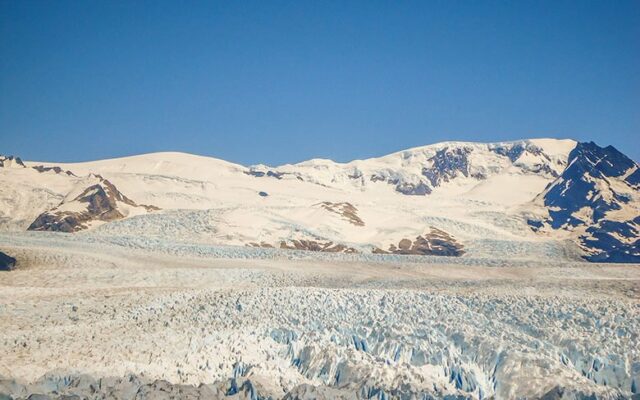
(481, 196)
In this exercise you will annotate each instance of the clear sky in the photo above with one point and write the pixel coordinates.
(276, 82)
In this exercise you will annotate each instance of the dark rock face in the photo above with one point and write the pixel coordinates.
(444, 166)
(452, 162)
(7, 263)
(101, 204)
(634, 179)
(268, 173)
(6, 161)
(410, 189)
(576, 187)
(515, 151)
(605, 240)
(434, 243)
(511, 152)
(56, 169)
(447, 164)
(407, 188)
(586, 184)
(346, 210)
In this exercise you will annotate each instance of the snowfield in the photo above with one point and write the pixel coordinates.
(93, 316)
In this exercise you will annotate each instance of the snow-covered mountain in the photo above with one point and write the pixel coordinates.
(538, 198)
(597, 195)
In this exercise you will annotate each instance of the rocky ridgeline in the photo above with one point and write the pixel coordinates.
(56, 169)
(16, 162)
(593, 194)
(446, 164)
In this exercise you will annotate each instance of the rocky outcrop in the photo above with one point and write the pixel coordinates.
(545, 165)
(613, 241)
(7, 263)
(419, 188)
(11, 162)
(447, 164)
(434, 243)
(263, 171)
(598, 192)
(346, 210)
(586, 182)
(413, 189)
(56, 169)
(260, 174)
(99, 202)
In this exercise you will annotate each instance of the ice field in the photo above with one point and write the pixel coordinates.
(100, 317)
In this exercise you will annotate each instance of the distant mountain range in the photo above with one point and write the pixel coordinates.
(538, 198)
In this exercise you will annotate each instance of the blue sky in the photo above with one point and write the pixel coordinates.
(277, 82)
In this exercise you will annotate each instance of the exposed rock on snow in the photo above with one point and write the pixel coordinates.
(100, 202)
(447, 164)
(531, 158)
(434, 243)
(56, 169)
(7, 263)
(11, 162)
(261, 171)
(346, 210)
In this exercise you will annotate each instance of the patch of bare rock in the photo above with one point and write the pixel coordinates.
(11, 162)
(99, 202)
(435, 243)
(55, 168)
(346, 210)
(7, 263)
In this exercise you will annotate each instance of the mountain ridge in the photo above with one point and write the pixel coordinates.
(501, 189)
